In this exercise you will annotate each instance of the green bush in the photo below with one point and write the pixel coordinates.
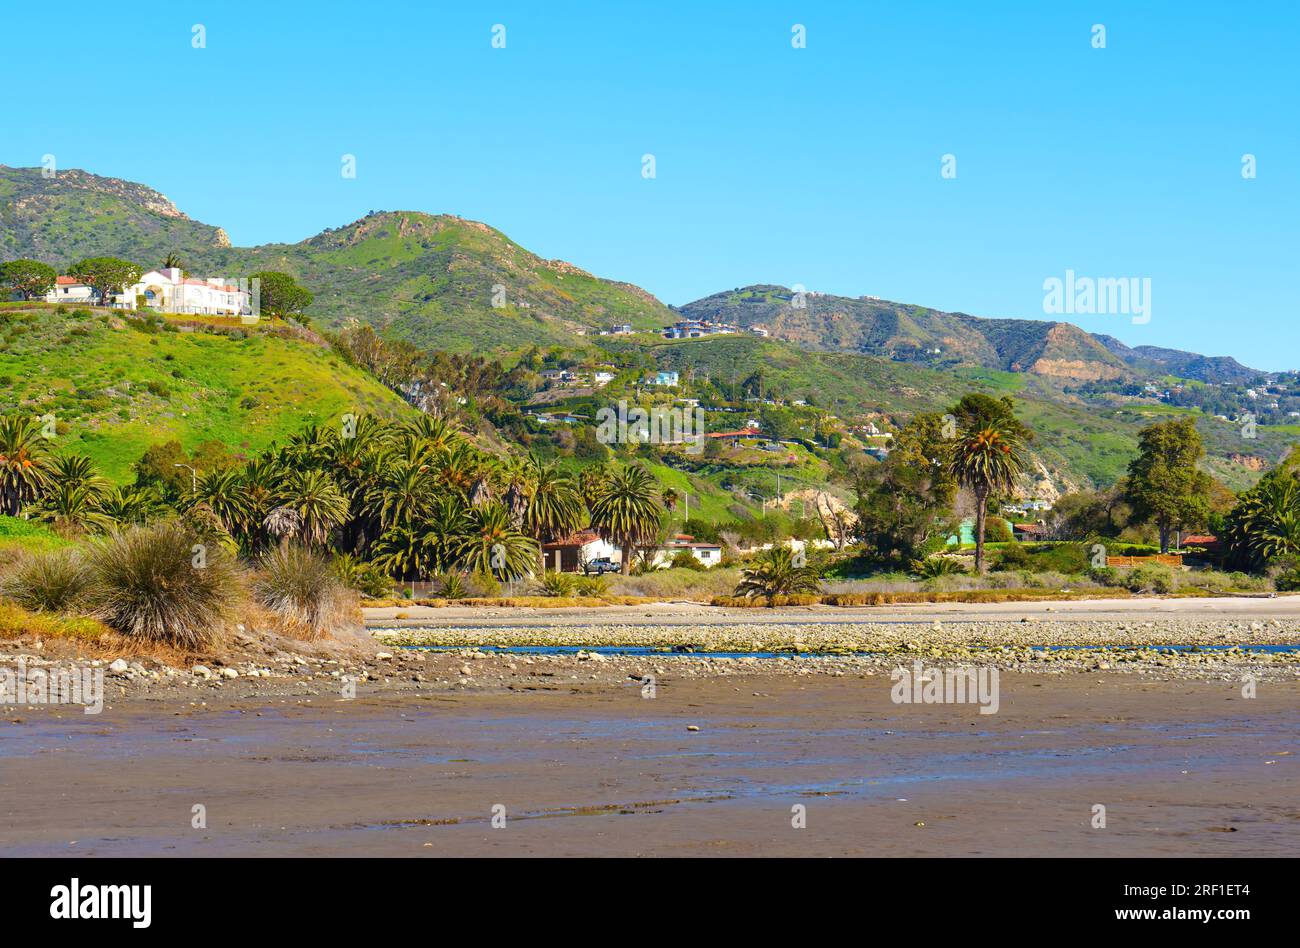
(1150, 577)
(685, 559)
(365, 578)
(551, 583)
(49, 581)
(163, 584)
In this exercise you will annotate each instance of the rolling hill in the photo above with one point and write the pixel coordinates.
(116, 386)
(427, 278)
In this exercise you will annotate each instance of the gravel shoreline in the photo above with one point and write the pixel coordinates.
(280, 671)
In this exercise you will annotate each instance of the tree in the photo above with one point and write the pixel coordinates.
(1265, 524)
(1164, 484)
(777, 573)
(281, 296)
(553, 509)
(904, 505)
(31, 278)
(492, 544)
(978, 412)
(173, 261)
(318, 503)
(987, 462)
(625, 511)
(25, 468)
(107, 276)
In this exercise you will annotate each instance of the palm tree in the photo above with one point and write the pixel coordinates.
(553, 509)
(493, 546)
(174, 260)
(986, 462)
(625, 512)
(283, 524)
(401, 553)
(223, 493)
(77, 470)
(437, 433)
(320, 506)
(1265, 524)
(131, 505)
(443, 532)
(775, 574)
(402, 496)
(25, 469)
(74, 509)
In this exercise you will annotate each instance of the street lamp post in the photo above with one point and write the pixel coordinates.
(194, 477)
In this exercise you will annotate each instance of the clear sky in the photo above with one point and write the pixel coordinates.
(819, 166)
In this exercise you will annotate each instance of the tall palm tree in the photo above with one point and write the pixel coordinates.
(493, 545)
(626, 511)
(224, 493)
(25, 468)
(403, 495)
(986, 462)
(552, 510)
(317, 501)
(444, 531)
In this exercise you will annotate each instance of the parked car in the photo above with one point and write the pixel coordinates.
(601, 564)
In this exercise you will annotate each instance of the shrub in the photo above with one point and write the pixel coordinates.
(685, 559)
(1150, 577)
(452, 586)
(150, 583)
(591, 586)
(302, 588)
(997, 530)
(51, 581)
(554, 584)
(365, 578)
(933, 567)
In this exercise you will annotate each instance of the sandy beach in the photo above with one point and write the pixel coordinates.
(571, 757)
(584, 768)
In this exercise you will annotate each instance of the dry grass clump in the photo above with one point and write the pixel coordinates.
(47, 581)
(302, 590)
(161, 583)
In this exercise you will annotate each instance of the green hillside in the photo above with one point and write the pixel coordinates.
(426, 278)
(76, 214)
(115, 385)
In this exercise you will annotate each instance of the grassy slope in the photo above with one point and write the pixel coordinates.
(92, 373)
(430, 279)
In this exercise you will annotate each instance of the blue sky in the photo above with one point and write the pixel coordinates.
(818, 166)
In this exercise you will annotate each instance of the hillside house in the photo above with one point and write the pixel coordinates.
(666, 378)
(71, 290)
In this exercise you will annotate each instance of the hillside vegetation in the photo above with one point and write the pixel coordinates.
(116, 384)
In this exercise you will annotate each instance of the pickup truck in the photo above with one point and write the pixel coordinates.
(601, 564)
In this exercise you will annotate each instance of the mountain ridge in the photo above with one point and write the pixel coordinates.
(443, 281)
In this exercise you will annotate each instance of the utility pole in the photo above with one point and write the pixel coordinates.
(194, 477)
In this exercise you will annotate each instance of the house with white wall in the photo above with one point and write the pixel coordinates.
(168, 290)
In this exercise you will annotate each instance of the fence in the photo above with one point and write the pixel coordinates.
(1164, 559)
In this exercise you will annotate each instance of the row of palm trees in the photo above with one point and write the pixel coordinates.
(416, 498)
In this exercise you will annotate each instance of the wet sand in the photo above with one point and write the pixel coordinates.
(592, 768)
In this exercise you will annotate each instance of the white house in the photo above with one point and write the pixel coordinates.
(710, 554)
(71, 290)
(168, 290)
(668, 378)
